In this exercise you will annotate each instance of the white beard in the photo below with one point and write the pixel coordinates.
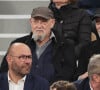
(37, 37)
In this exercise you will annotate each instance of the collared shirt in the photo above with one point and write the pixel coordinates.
(16, 86)
(40, 50)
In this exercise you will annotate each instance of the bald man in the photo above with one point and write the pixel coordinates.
(19, 59)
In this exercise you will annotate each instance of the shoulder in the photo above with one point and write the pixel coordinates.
(3, 78)
(83, 16)
(82, 83)
(23, 39)
(3, 75)
(38, 81)
(81, 12)
(78, 11)
(78, 14)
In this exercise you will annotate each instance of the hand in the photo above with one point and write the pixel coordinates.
(85, 75)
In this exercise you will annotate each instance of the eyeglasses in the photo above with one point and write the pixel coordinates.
(23, 57)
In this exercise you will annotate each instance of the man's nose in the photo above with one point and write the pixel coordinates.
(28, 60)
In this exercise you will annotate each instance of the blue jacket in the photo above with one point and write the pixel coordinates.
(31, 83)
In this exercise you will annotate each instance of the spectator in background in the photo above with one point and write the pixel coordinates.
(94, 48)
(96, 31)
(92, 82)
(72, 26)
(97, 21)
(62, 85)
(19, 59)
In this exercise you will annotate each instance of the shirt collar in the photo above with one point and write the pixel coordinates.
(52, 35)
(23, 79)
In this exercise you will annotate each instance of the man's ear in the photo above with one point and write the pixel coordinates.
(96, 78)
(8, 58)
(30, 20)
(52, 23)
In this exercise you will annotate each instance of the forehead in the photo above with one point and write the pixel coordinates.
(20, 48)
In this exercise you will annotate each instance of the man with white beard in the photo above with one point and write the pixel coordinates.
(41, 41)
(48, 53)
(53, 55)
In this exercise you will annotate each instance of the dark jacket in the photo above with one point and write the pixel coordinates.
(82, 84)
(73, 25)
(90, 50)
(31, 83)
(50, 64)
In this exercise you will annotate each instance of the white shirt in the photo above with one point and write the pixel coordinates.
(18, 86)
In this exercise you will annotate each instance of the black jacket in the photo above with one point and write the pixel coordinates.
(73, 26)
(72, 23)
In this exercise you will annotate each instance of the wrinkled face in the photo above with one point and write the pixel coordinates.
(41, 28)
(20, 60)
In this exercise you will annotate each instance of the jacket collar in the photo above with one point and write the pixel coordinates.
(29, 82)
(58, 13)
(4, 80)
(53, 7)
(85, 84)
